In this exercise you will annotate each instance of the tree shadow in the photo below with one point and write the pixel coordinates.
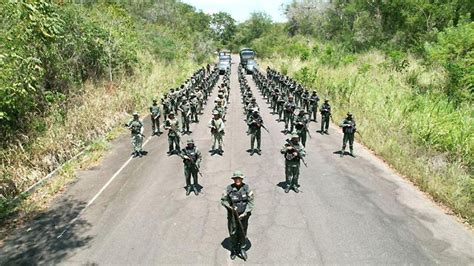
(37, 241)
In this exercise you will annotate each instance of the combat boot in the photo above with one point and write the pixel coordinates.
(287, 189)
(188, 190)
(295, 188)
(233, 254)
(352, 152)
(196, 192)
(342, 152)
(243, 254)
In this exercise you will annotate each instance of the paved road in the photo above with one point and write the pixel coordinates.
(350, 210)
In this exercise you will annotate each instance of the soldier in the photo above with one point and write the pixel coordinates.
(301, 126)
(313, 106)
(255, 123)
(136, 129)
(220, 109)
(280, 104)
(216, 124)
(349, 129)
(185, 110)
(238, 199)
(250, 107)
(325, 116)
(155, 115)
(194, 108)
(305, 101)
(294, 152)
(172, 125)
(289, 108)
(192, 160)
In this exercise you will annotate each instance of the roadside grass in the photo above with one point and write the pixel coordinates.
(404, 117)
(93, 119)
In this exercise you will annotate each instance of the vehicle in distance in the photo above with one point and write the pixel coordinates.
(247, 59)
(224, 63)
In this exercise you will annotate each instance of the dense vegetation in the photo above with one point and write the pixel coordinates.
(405, 68)
(69, 73)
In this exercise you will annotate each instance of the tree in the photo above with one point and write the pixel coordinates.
(223, 26)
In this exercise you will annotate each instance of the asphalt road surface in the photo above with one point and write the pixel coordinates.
(135, 211)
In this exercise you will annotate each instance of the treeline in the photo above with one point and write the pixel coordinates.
(438, 32)
(49, 49)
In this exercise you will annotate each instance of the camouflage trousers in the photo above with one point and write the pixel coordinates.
(236, 240)
(292, 172)
(255, 135)
(348, 137)
(324, 123)
(137, 142)
(173, 142)
(190, 171)
(218, 139)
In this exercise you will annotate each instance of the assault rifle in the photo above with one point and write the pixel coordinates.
(299, 155)
(193, 163)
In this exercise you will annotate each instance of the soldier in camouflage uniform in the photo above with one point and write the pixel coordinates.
(255, 123)
(289, 107)
(192, 160)
(325, 116)
(349, 129)
(136, 129)
(185, 110)
(313, 106)
(293, 152)
(216, 124)
(239, 200)
(172, 125)
(301, 126)
(155, 115)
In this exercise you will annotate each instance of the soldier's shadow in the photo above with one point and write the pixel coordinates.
(226, 244)
(282, 185)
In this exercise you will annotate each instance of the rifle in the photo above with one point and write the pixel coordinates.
(192, 162)
(265, 129)
(243, 237)
(127, 126)
(291, 145)
(307, 130)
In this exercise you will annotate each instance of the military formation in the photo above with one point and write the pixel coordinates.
(292, 103)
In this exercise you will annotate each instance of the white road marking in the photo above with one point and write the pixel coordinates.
(100, 192)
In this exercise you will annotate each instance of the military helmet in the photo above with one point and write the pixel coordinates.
(155, 100)
(290, 97)
(326, 100)
(215, 112)
(349, 114)
(253, 99)
(184, 99)
(314, 92)
(135, 113)
(237, 174)
(295, 136)
(171, 113)
(190, 141)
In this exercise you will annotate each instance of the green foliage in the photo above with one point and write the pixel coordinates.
(223, 28)
(454, 50)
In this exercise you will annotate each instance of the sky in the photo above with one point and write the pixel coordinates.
(240, 9)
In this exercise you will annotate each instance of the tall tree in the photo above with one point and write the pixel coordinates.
(223, 27)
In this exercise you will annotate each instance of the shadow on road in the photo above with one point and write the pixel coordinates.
(282, 185)
(226, 244)
(37, 242)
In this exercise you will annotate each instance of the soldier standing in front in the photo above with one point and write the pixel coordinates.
(325, 116)
(192, 160)
(216, 124)
(349, 129)
(294, 153)
(238, 199)
(136, 129)
(155, 115)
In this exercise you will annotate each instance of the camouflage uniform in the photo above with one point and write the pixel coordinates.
(255, 123)
(155, 115)
(325, 116)
(301, 126)
(349, 129)
(293, 153)
(136, 128)
(192, 160)
(217, 126)
(172, 125)
(239, 200)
